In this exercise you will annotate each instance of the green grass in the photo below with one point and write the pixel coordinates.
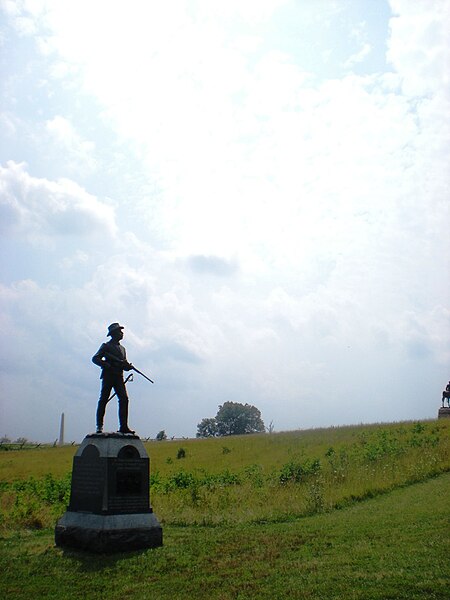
(18, 464)
(392, 547)
(240, 451)
(348, 512)
(245, 479)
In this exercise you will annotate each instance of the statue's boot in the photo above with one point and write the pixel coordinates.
(123, 418)
(99, 423)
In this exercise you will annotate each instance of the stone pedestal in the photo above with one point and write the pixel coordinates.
(444, 413)
(109, 509)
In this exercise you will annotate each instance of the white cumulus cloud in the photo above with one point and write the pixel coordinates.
(38, 208)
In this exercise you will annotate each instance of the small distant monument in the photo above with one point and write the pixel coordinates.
(61, 431)
(109, 509)
(444, 411)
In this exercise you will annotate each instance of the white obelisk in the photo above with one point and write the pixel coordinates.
(61, 431)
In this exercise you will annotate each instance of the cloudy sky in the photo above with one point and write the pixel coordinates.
(258, 190)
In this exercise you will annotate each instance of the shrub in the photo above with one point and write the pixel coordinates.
(182, 479)
(293, 472)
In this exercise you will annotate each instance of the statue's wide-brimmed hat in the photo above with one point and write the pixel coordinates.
(113, 327)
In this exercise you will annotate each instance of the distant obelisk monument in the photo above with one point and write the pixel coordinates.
(61, 431)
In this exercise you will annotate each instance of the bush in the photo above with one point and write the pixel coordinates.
(293, 472)
(182, 480)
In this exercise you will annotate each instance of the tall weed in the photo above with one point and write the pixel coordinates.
(298, 475)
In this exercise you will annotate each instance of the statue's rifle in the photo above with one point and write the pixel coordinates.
(132, 367)
(140, 373)
(129, 378)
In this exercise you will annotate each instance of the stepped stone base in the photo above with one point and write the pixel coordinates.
(444, 413)
(109, 508)
(108, 533)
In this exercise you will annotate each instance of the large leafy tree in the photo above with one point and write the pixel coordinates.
(232, 418)
(207, 428)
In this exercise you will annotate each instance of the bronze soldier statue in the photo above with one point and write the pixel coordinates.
(112, 358)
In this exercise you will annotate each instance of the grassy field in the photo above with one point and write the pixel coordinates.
(351, 512)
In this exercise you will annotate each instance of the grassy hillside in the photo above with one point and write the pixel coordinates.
(246, 479)
(392, 547)
(340, 513)
(260, 478)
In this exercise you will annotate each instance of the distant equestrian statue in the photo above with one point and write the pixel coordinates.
(446, 395)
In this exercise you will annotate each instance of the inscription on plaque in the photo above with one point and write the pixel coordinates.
(129, 485)
(88, 478)
(88, 481)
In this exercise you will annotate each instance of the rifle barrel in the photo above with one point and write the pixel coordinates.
(140, 373)
(118, 360)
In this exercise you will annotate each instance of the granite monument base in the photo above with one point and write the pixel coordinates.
(444, 413)
(108, 533)
(109, 508)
